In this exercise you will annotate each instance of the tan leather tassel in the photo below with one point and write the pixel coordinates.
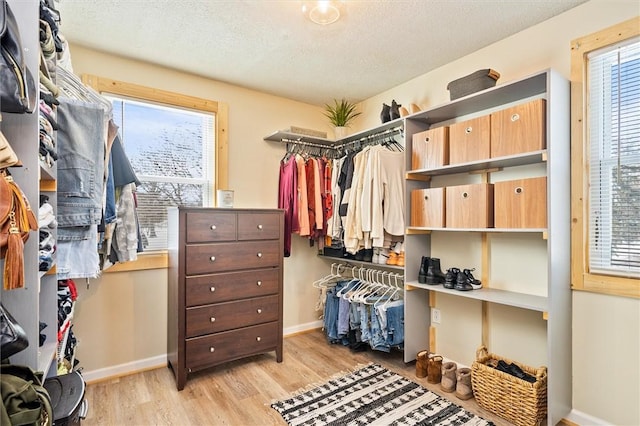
(14, 261)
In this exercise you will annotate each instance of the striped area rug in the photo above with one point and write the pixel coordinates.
(372, 395)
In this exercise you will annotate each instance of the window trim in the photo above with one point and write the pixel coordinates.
(159, 259)
(581, 278)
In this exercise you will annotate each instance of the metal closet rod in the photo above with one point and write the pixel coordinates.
(349, 144)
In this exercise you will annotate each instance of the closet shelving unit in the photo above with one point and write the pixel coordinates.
(37, 301)
(553, 296)
(553, 300)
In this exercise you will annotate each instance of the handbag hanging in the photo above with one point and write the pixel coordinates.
(8, 157)
(13, 339)
(17, 86)
(16, 221)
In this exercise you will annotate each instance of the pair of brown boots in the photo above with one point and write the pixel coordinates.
(430, 366)
(456, 379)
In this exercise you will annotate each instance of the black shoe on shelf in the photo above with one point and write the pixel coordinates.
(476, 284)
(462, 283)
(434, 273)
(450, 278)
(424, 266)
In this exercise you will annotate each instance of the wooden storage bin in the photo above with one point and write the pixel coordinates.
(430, 149)
(470, 140)
(519, 129)
(428, 208)
(521, 203)
(469, 206)
(521, 402)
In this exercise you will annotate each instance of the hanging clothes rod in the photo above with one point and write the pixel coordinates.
(337, 150)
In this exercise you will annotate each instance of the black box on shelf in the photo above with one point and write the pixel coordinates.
(474, 82)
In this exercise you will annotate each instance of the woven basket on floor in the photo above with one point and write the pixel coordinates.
(520, 402)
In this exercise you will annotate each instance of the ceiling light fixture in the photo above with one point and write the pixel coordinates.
(322, 12)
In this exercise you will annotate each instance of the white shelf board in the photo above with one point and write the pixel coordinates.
(46, 354)
(421, 229)
(283, 136)
(502, 297)
(489, 163)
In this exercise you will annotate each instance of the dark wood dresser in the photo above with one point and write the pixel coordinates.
(225, 286)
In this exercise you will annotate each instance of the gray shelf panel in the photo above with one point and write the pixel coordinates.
(422, 229)
(489, 163)
(502, 297)
(364, 264)
(282, 136)
(489, 98)
(46, 355)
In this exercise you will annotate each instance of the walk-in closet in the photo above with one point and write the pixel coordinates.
(319, 212)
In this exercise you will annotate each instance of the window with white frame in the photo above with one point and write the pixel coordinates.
(172, 151)
(613, 130)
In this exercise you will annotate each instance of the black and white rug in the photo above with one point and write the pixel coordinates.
(372, 395)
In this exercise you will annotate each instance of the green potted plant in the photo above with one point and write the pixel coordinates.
(340, 114)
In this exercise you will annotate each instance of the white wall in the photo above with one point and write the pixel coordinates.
(606, 334)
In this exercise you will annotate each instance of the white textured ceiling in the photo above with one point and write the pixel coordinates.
(269, 46)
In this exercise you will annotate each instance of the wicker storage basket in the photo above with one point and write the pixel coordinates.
(520, 402)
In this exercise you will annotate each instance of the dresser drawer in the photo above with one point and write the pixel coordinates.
(210, 258)
(220, 347)
(209, 226)
(224, 316)
(207, 289)
(258, 226)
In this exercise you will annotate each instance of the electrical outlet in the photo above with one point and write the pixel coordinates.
(435, 316)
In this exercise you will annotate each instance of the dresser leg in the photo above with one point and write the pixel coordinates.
(279, 353)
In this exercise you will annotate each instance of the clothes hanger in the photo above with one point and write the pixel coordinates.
(74, 88)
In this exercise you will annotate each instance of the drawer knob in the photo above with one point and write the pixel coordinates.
(518, 190)
(426, 197)
(211, 349)
(259, 283)
(426, 139)
(213, 319)
(213, 227)
(465, 195)
(468, 130)
(259, 311)
(259, 254)
(515, 117)
(260, 227)
(212, 289)
(212, 258)
(258, 339)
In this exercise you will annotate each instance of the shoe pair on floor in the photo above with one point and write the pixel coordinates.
(447, 374)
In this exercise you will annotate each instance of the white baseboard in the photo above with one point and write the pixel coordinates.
(161, 360)
(584, 419)
(125, 369)
(302, 327)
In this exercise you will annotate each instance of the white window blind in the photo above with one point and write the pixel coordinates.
(613, 79)
(172, 152)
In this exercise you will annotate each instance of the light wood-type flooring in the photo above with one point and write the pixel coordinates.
(239, 392)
